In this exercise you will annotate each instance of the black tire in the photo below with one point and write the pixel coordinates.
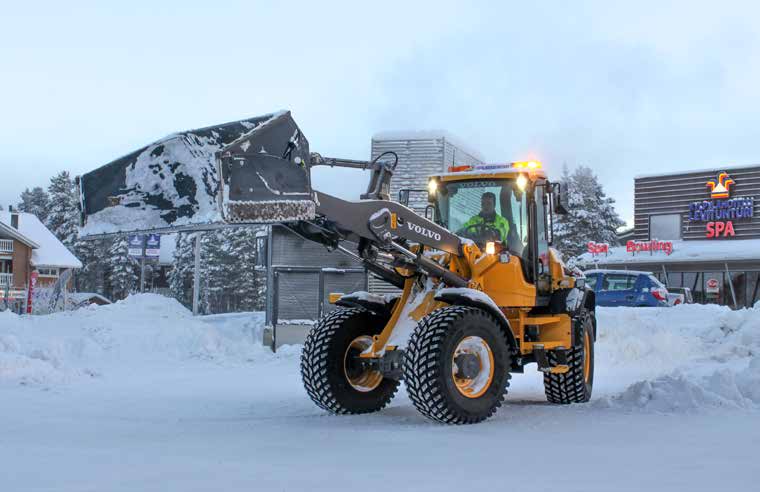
(428, 365)
(322, 363)
(574, 386)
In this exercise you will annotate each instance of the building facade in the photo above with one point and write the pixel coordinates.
(301, 275)
(27, 246)
(699, 230)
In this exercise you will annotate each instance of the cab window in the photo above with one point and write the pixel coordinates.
(485, 210)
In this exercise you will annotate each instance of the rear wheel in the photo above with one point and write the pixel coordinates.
(330, 373)
(575, 385)
(456, 366)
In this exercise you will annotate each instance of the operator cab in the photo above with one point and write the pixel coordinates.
(507, 204)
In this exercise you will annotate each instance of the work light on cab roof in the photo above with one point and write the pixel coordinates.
(529, 165)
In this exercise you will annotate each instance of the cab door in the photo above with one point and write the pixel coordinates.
(540, 241)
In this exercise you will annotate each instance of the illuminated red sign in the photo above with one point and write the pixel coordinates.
(598, 248)
(649, 246)
(720, 229)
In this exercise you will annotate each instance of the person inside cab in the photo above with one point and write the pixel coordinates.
(488, 220)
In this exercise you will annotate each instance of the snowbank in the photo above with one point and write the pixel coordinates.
(685, 358)
(142, 331)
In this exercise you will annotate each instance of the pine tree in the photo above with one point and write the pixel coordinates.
(35, 201)
(591, 215)
(62, 218)
(123, 271)
(230, 280)
(181, 275)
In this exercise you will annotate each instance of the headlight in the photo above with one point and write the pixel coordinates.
(522, 182)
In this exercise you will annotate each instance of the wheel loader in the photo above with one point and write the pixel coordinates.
(482, 292)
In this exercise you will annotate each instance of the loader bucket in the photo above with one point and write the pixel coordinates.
(248, 171)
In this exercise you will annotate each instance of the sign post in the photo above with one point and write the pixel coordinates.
(144, 247)
(30, 294)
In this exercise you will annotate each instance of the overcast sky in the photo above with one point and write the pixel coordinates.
(626, 90)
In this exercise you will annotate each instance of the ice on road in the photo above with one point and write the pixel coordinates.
(141, 396)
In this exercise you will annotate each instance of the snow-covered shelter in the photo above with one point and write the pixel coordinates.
(700, 230)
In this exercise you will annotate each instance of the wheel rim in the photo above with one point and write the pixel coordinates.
(366, 380)
(475, 386)
(586, 357)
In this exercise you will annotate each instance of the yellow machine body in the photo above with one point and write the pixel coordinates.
(503, 282)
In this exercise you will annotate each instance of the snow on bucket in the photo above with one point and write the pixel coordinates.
(248, 171)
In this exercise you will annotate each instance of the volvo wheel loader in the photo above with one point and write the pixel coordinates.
(483, 293)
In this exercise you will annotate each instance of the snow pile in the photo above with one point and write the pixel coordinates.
(141, 331)
(683, 359)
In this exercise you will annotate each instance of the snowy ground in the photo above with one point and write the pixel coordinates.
(141, 396)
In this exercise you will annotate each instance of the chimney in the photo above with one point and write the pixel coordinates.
(14, 217)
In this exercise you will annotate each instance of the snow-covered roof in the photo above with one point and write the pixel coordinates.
(429, 135)
(496, 169)
(683, 251)
(698, 171)
(168, 246)
(51, 252)
(13, 233)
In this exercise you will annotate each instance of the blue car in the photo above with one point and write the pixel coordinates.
(627, 288)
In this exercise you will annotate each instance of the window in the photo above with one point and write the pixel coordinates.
(542, 242)
(47, 272)
(665, 227)
(655, 281)
(618, 281)
(675, 280)
(485, 210)
(591, 281)
(753, 288)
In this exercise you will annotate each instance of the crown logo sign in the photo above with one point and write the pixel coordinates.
(721, 187)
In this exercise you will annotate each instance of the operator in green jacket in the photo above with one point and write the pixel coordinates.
(489, 217)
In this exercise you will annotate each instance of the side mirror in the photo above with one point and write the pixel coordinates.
(560, 198)
(430, 213)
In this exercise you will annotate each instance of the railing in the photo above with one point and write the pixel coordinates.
(6, 246)
(6, 280)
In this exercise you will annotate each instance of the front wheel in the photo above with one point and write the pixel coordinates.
(456, 366)
(575, 385)
(331, 376)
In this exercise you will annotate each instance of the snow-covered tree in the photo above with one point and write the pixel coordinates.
(123, 271)
(591, 217)
(230, 280)
(35, 201)
(62, 218)
(95, 258)
(181, 275)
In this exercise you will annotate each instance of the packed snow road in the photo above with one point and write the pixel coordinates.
(141, 396)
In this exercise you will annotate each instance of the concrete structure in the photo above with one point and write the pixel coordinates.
(699, 230)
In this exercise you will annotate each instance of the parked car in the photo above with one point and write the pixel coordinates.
(627, 288)
(681, 293)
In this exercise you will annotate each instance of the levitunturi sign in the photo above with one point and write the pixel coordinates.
(720, 211)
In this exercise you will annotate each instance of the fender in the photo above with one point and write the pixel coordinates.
(374, 303)
(573, 302)
(460, 296)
